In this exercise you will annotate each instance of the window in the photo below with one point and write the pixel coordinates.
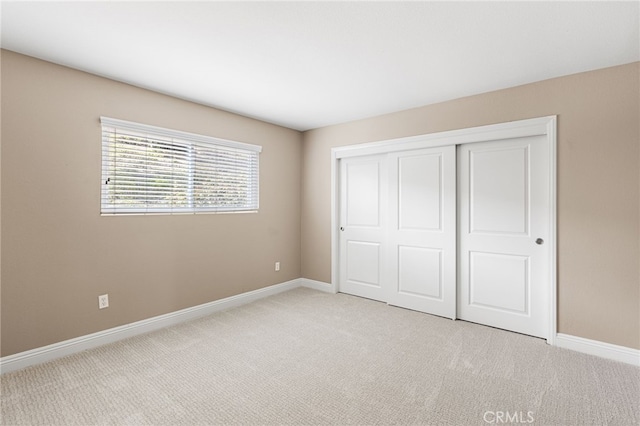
(147, 169)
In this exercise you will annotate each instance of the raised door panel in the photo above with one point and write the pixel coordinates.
(420, 192)
(420, 272)
(499, 282)
(363, 194)
(499, 190)
(363, 263)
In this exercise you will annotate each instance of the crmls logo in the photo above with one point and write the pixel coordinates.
(498, 417)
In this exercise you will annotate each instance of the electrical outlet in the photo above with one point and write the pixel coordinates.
(103, 301)
(277, 266)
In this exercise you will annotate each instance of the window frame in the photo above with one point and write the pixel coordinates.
(191, 141)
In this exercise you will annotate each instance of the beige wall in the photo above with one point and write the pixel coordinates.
(598, 187)
(59, 254)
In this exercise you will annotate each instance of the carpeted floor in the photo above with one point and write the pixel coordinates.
(306, 357)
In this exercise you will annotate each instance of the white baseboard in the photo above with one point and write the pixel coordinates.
(601, 349)
(71, 346)
(317, 285)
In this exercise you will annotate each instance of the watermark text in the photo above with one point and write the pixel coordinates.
(502, 417)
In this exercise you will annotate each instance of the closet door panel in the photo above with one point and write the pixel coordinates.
(422, 230)
(363, 224)
(504, 222)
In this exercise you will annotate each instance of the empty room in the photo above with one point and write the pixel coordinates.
(332, 213)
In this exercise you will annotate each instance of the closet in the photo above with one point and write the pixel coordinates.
(458, 224)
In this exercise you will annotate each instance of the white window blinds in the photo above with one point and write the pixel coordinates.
(147, 169)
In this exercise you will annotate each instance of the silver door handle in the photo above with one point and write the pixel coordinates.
(539, 241)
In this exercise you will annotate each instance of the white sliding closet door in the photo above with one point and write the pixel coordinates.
(363, 219)
(465, 230)
(422, 230)
(503, 227)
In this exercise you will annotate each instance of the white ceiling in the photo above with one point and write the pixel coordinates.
(306, 65)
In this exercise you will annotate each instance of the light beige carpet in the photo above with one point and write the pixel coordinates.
(305, 357)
